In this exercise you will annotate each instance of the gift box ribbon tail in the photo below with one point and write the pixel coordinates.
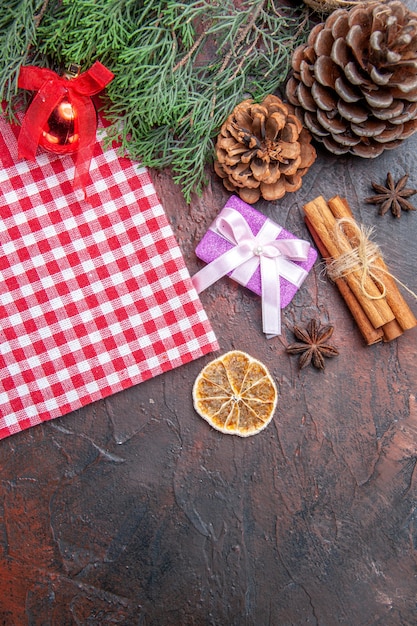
(274, 256)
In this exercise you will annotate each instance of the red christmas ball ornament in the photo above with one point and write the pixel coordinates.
(61, 116)
(61, 134)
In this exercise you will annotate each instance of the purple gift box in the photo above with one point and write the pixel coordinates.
(213, 245)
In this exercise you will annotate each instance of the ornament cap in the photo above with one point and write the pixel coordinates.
(72, 71)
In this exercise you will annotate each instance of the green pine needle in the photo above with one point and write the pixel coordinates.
(18, 23)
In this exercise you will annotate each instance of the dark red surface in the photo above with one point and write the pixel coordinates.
(133, 511)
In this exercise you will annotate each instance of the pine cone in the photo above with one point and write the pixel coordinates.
(263, 150)
(354, 82)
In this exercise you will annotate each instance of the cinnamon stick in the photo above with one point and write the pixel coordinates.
(402, 312)
(391, 331)
(370, 334)
(324, 222)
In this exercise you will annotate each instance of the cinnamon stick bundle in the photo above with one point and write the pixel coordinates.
(373, 298)
(370, 334)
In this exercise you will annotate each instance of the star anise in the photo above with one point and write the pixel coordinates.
(393, 196)
(312, 345)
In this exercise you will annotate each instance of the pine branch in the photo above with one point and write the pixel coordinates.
(187, 100)
(180, 66)
(18, 22)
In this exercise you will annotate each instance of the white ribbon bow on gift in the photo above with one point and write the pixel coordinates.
(275, 257)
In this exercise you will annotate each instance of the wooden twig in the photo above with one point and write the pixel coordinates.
(190, 52)
(38, 18)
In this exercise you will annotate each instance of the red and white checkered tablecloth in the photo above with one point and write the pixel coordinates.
(95, 295)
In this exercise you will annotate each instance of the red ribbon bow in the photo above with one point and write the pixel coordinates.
(51, 90)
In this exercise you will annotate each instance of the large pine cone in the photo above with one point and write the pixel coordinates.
(354, 82)
(263, 150)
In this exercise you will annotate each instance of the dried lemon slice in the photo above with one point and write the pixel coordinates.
(235, 394)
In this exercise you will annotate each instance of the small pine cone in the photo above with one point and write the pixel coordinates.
(354, 83)
(263, 150)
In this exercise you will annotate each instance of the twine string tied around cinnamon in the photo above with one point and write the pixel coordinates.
(361, 257)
